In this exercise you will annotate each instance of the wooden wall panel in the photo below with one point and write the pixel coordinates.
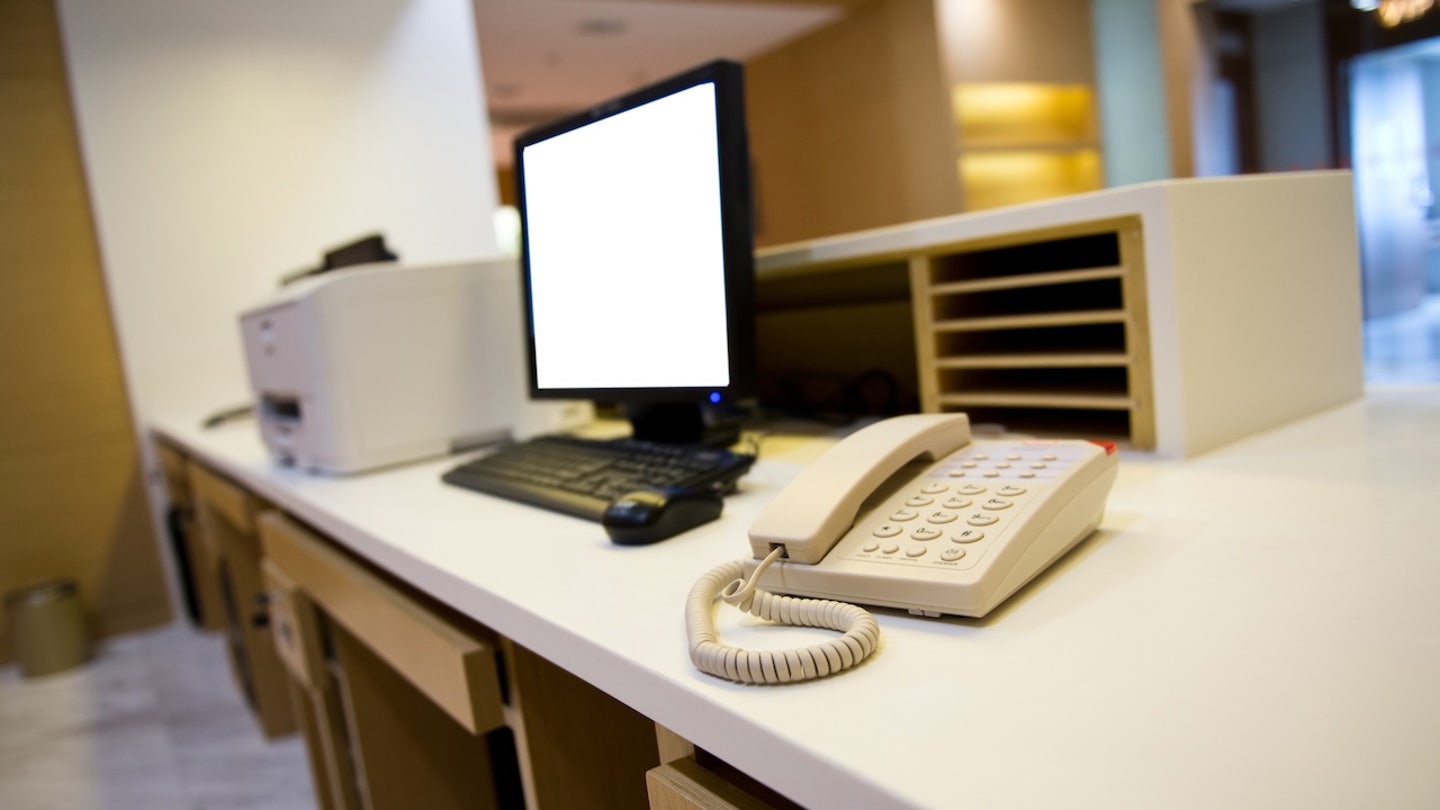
(850, 126)
(73, 502)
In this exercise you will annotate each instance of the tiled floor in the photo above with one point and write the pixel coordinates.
(154, 721)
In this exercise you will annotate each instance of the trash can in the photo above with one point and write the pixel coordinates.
(47, 627)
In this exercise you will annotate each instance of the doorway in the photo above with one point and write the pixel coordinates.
(1394, 112)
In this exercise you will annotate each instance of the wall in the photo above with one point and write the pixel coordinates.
(850, 126)
(1131, 92)
(226, 144)
(1290, 88)
(229, 143)
(73, 504)
(1189, 80)
(1044, 41)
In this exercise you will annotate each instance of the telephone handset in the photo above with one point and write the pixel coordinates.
(812, 512)
(905, 513)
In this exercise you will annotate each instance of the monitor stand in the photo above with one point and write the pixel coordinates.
(678, 423)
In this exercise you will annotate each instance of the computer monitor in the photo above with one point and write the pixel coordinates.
(637, 251)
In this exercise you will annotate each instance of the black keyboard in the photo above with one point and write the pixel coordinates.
(582, 476)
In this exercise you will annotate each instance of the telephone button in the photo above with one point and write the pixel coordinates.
(969, 536)
(915, 551)
(996, 504)
(890, 548)
(920, 500)
(981, 456)
(971, 489)
(992, 473)
(934, 488)
(952, 554)
(925, 533)
(870, 547)
(904, 514)
(887, 530)
(957, 502)
(940, 517)
(1027, 474)
(1010, 491)
(979, 519)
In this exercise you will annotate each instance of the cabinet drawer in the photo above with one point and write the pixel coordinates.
(225, 499)
(686, 785)
(175, 467)
(295, 628)
(453, 665)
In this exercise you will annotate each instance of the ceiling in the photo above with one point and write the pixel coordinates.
(544, 58)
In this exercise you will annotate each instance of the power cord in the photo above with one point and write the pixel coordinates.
(861, 633)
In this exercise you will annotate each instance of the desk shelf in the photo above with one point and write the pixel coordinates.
(1028, 330)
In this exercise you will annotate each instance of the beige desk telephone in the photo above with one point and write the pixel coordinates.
(906, 513)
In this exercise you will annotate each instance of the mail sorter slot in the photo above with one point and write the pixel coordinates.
(453, 665)
(1069, 293)
(1028, 261)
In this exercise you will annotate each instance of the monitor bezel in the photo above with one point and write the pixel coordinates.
(737, 236)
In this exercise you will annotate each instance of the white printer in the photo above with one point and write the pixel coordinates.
(380, 364)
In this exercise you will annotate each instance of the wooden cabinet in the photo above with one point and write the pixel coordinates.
(401, 705)
(691, 779)
(406, 703)
(195, 563)
(1022, 141)
(225, 515)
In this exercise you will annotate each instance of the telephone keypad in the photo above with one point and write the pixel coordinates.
(1009, 477)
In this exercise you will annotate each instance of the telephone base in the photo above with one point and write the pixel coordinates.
(963, 534)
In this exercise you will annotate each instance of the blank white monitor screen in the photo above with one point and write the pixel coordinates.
(625, 249)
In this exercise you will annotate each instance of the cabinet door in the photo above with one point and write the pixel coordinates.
(225, 517)
(401, 692)
(449, 660)
(297, 630)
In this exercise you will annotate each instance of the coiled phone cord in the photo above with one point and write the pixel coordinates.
(861, 633)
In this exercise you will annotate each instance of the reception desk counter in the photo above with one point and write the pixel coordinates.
(1257, 626)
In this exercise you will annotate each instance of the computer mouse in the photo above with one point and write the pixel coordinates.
(651, 515)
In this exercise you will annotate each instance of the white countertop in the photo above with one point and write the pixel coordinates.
(1255, 627)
